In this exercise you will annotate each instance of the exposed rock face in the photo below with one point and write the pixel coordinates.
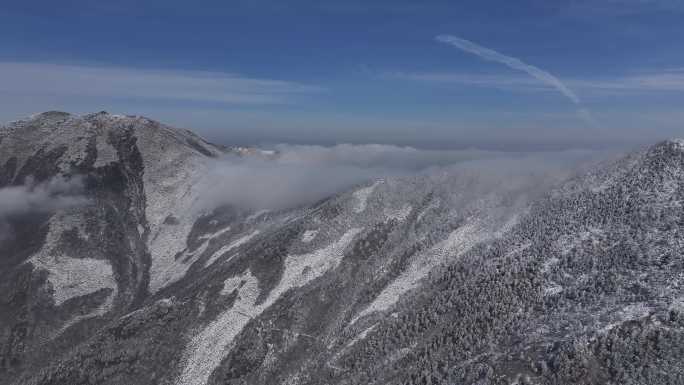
(442, 279)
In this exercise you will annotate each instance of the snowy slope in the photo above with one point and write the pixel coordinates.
(444, 277)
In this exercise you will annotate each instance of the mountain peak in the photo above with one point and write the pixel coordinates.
(52, 129)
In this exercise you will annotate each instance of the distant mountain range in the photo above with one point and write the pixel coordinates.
(427, 279)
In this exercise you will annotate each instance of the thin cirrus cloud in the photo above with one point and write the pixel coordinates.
(661, 81)
(57, 80)
(517, 64)
(511, 62)
(470, 79)
(668, 80)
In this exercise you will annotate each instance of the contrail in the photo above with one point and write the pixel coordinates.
(517, 64)
(491, 55)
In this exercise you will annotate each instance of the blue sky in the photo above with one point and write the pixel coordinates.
(356, 71)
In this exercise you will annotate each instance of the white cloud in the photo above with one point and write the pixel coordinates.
(50, 80)
(493, 80)
(517, 64)
(500, 81)
(669, 80)
(300, 174)
(55, 194)
(662, 81)
(514, 63)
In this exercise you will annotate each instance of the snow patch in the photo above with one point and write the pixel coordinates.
(72, 277)
(256, 215)
(434, 204)
(170, 191)
(628, 313)
(106, 153)
(172, 172)
(75, 277)
(361, 336)
(309, 235)
(591, 235)
(634, 311)
(457, 243)
(206, 350)
(214, 235)
(553, 289)
(399, 214)
(549, 263)
(174, 177)
(301, 269)
(351, 343)
(235, 244)
(99, 312)
(230, 284)
(361, 196)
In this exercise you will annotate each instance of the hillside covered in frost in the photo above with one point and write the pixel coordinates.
(117, 272)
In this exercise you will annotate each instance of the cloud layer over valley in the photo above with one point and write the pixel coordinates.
(294, 175)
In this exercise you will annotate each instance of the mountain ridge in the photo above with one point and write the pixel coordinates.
(434, 278)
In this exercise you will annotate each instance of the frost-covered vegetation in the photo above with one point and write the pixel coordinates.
(454, 277)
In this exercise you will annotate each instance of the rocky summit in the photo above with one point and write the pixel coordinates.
(118, 273)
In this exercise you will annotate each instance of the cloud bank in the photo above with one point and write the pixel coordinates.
(55, 194)
(37, 198)
(296, 174)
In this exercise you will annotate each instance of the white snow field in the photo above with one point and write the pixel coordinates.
(212, 344)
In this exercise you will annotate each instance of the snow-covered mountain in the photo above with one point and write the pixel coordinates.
(437, 278)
